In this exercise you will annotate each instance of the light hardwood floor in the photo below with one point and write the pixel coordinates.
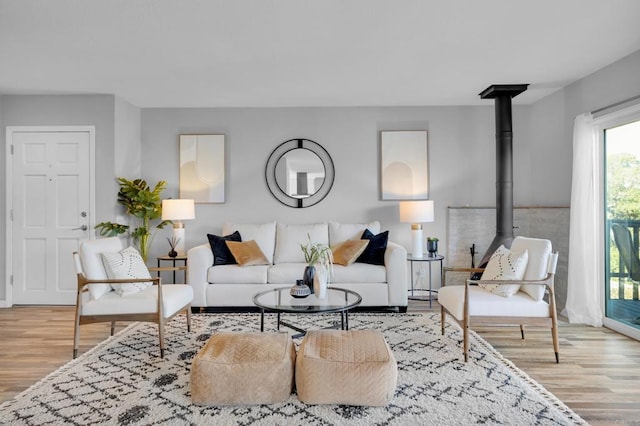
(598, 375)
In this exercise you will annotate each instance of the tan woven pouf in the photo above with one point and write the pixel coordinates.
(243, 368)
(354, 367)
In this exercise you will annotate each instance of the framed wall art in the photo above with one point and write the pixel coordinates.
(202, 171)
(404, 165)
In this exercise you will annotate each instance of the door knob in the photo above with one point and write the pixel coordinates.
(83, 227)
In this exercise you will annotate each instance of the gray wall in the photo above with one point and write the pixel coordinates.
(461, 161)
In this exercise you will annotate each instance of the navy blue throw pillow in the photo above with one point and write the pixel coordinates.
(374, 253)
(221, 253)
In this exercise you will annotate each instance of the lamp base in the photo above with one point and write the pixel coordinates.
(417, 249)
(178, 234)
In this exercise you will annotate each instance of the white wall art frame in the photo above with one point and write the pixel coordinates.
(404, 165)
(202, 171)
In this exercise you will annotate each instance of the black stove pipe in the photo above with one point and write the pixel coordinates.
(503, 93)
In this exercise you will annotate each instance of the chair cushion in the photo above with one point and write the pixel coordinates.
(221, 253)
(236, 274)
(285, 273)
(247, 253)
(539, 252)
(348, 251)
(289, 238)
(484, 303)
(127, 263)
(341, 232)
(374, 252)
(505, 264)
(174, 297)
(263, 233)
(92, 266)
(359, 273)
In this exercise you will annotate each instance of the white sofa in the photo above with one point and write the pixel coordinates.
(234, 286)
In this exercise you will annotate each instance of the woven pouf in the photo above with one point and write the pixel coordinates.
(354, 367)
(243, 368)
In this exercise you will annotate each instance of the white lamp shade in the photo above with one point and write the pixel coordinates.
(178, 209)
(416, 211)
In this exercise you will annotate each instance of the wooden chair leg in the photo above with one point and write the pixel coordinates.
(442, 318)
(522, 331)
(76, 336)
(554, 335)
(189, 319)
(161, 335)
(465, 341)
(113, 327)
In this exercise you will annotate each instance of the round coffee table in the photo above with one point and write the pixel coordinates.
(279, 300)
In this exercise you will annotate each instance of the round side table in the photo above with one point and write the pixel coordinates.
(414, 288)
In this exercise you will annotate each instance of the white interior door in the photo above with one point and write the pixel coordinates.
(51, 210)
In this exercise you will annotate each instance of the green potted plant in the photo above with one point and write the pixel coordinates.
(316, 254)
(432, 246)
(145, 205)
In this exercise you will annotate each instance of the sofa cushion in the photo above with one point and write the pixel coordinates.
(539, 251)
(341, 232)
(374, 253)
(483, 303)
(221, 253)
(285, 273)
(505, 264)
(92, 265)
(348, 251)
(263, 233)
(289, 238)
(359, 273)
(247, 253)
(127, 263)
(236, 274)
(174, 297)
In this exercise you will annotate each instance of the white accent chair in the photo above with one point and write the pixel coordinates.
(471, 305)
(98, 302)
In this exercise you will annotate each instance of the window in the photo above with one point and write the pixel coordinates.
(621, 136)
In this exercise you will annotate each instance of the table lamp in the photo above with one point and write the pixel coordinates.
(177, 211)
(416, 213)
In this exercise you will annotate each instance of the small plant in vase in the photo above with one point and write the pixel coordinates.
(173, 242)
(432, 246)
(317, 255)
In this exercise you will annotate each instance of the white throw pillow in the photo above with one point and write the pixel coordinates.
(341, 232)
(126, 263)
(289, 238)
(505, 264)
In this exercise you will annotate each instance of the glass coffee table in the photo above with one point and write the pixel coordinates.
(280, 301)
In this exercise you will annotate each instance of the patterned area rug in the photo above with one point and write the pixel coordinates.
(123, 381)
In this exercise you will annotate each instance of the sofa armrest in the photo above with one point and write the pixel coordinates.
(199, 260)
(395, 260)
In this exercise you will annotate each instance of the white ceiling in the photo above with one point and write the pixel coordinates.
(210, 53)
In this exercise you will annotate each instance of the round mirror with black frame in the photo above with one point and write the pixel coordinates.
(299, 173)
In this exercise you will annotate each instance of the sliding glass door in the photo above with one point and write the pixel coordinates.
(622, 223)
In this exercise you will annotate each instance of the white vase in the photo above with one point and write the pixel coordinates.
(320, 283)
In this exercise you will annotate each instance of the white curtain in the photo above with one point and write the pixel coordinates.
(585, 280)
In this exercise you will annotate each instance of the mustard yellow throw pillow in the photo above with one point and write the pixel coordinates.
(247, 253)
(347, 252)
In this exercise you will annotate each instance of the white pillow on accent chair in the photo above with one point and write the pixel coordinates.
(126, 263)
(505, 264)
